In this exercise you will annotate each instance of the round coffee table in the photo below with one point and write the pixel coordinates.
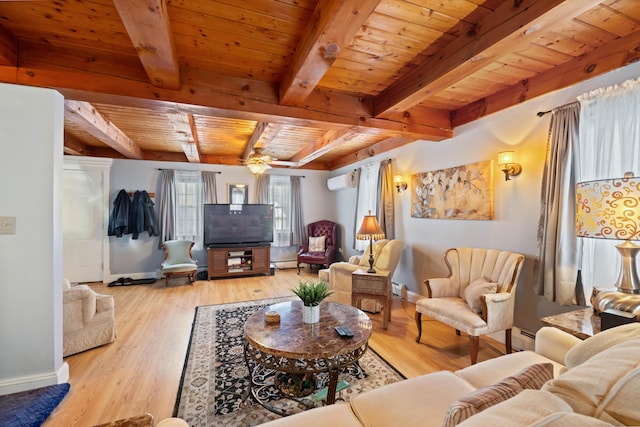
(304, 349)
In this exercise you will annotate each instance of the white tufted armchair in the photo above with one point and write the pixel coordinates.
(477, 298)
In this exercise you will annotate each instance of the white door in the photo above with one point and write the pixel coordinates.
(83, 225)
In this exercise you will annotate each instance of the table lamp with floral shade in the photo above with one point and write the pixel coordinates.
(610, 209)
(370, 230)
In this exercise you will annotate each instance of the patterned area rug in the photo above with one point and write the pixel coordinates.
(31, 408)
(215, 387)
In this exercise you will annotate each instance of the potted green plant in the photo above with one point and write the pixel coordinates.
(311, 293)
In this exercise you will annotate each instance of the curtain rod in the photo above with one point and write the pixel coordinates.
(185, 170)
(543, 113)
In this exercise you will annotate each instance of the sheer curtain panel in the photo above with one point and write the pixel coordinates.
(367, 199)
(609, 147)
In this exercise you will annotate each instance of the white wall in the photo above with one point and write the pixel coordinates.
(517, 202)
(142, 258)
(31, 148)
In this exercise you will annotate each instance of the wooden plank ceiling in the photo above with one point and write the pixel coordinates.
(315, 84)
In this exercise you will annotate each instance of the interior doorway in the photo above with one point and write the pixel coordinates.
(85, 219)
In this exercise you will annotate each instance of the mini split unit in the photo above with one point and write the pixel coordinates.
(340, 182)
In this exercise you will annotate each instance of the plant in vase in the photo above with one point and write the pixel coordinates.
(311, 293)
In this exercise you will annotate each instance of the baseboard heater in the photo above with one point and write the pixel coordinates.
(286, 264)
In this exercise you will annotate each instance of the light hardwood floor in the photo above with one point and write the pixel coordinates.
(140, 372)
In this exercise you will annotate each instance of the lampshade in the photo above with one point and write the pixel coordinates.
(610, 209)
(505, 157)
(370, 229)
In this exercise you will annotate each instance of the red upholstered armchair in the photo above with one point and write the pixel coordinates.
(321, 247)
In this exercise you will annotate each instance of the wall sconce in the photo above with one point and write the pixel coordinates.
(400, 183)
(508, 166)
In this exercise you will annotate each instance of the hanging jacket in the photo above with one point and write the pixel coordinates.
(119, 219)
(142, 215)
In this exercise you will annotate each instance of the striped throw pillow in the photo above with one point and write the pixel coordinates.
(531, 377)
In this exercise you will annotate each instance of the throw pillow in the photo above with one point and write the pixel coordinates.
(316, 244)
(588, 348)
(532, 377)
(605, 386)
(377, 247)
(478, 287)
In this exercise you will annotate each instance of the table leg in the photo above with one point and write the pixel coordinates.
(332, 386)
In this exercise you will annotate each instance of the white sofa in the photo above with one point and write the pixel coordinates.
(600, 385)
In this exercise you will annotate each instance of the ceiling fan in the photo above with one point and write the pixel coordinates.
(257, 162)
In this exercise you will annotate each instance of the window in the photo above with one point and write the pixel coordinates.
(189, 207)
(280, 197)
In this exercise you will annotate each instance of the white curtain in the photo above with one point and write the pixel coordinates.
(189, 210)
(609, 147)
(367, 199)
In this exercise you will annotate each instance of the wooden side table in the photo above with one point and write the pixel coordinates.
(375, 286)
(581, 323)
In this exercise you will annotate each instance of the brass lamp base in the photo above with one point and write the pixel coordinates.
(605, 299)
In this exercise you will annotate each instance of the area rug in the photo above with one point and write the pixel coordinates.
(215, 387)
(32, 407)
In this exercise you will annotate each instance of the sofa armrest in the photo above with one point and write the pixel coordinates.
(439, 287)
(104, 303)
(554, 344)
(340, 276)
(86, 297)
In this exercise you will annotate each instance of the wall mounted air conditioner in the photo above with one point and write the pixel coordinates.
(340, 182)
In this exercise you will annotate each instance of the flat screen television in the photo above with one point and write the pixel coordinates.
(227, 225)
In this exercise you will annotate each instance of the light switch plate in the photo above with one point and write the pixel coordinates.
(7, 225)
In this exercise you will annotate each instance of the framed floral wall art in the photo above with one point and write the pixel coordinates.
(461, 192)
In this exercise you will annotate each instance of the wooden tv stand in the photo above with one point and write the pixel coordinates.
(238, 261)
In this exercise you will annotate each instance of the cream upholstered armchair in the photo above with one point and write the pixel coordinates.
(178, 260)
(88, 319)
(478, 296)
(386, 254)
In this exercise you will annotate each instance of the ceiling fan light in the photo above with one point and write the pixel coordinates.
(258, 168)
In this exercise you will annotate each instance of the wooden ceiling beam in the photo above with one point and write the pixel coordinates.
(147, 23)
(185, 130)
(194, 151)
(510, 26)
(319, 147)
(73, 146)
(333, 26)
(372, 150)
(617, 54)
(253, 140)
(8, 48)
(85, 116)
(238, 102)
